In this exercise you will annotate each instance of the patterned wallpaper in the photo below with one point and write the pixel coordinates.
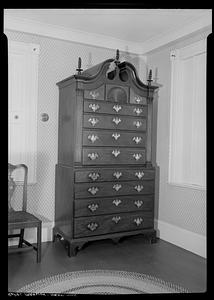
(183, 207)
(179, 206)
(57, 60)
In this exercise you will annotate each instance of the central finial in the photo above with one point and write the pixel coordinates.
(117, 57)
(79, 70)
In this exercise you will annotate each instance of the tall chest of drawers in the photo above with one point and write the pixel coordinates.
(105, 180)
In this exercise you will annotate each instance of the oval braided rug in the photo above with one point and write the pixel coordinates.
(101, 282)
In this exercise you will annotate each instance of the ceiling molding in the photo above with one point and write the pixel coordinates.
(63, 33)
(99, 40)
(172, 35)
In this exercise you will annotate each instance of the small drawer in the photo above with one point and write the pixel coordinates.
(90, 226)
(114, 174)
(115, 108)
(137, 99)
(99, 156)
(100, 206)
(96, 94)
(114, 122)
(105, 189)
(113, 138)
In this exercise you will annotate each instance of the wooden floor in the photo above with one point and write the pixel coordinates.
(134, 254)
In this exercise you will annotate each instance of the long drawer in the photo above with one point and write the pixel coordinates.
(118, 174)
(99, 206)
(99, 189)
(89, 226)
(114, 122)
(113, 138)
(114, 108)
(92, 156)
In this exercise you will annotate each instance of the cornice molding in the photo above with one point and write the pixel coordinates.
(172, 35)
(63, 33)
(103, 41)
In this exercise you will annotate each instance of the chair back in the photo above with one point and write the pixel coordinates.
(12, 185)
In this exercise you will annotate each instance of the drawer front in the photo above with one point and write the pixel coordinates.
(99, 189)
(115, 108)
(96, 94)
(98, 156)
(137, 99)
(113, 138)
(99, 206)
(118, 174)
(114, 122)
(90, 226)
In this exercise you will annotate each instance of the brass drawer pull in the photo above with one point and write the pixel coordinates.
(93, 190)
(92, 226)
(94, 176)
(117, 174)
(137, 139)
(116, 202)
(139, 174)
(138, 221)
(116, 136)
(116, 120)
(137, 99)
(117, 108)
(94, 94)
(137, 123)
(116, 219)
(93, 156)
(138, 110)
(94, 106)
(116, 152)
(138, 188)
(93, 207)
(93, 138)
(137, 156)
(93, 121)
(138, 203)
(117, 187)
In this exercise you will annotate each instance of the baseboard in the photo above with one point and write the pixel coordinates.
(183, 238)
(30, 234)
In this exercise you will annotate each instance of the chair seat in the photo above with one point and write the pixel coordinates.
(20, 217)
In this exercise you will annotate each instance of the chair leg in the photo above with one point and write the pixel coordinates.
(21, 238)
(39, 246)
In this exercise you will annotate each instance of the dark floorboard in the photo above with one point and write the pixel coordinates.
(163, 260)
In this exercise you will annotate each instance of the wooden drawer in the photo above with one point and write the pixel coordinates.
(99, 206)
(114, 122)
(101, 107)
(98, 93)
(118, 174)
(99, 189)
(88, 226)
(137, 99)
(98, 156)
(113, 138)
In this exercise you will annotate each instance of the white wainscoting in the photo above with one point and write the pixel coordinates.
(30, 234)
(183, 238)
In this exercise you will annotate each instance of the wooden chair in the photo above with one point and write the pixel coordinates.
(21, 219)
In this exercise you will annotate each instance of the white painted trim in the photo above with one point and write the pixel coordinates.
(183, 238)
(166, 37)
(30, 52)
(188, 186)
(99, 40)
(30, 234)
(63, 33)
